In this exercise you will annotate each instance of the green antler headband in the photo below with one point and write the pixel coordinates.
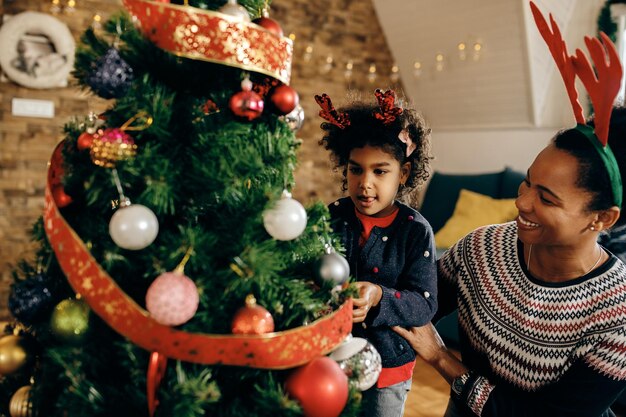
(602, 88)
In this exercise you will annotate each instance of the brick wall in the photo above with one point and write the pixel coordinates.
(345, 29)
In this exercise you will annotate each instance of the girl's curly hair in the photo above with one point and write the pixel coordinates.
(366, 130)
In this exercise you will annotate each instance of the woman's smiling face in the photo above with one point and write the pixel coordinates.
(552, 207)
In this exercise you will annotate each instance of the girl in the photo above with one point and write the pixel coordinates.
(383, 150)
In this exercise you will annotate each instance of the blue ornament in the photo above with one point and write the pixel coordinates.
(112, 76)
(30, 299)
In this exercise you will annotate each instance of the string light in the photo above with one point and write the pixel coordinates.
(395, 74)
(477, 51)
(348, 72)
(439, 62)
(371, 76)
(328, 65)
(462, 51)
(308, 53)
(417, 69)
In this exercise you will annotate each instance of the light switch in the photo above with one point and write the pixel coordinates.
(32, 108)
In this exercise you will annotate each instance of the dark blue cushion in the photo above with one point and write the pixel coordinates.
(510, 182)
(443, 192)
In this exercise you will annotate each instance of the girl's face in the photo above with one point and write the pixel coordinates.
(374, 177)
(552, 208)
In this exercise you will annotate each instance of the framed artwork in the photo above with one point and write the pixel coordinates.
(37, 50)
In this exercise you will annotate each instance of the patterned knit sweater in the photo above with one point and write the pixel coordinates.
(537, 348)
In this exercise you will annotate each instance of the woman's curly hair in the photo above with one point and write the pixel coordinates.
(366, 130)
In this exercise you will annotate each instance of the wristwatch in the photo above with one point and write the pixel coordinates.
(458, 384)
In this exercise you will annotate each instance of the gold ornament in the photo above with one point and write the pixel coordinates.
(70, 320)
(21, 404)
(14, 354)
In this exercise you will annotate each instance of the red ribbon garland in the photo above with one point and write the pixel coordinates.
(156, 372)
(278, 350)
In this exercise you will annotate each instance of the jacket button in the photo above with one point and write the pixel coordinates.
(426, 294)
(337, 203)
(385, 238)
(410, 218)
(426, 254)
(397, 294)
(375, 270)
(364, 325)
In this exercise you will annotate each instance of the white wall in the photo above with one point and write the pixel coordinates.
(476, 151)
(497, 111)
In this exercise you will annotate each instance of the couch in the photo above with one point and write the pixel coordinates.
(439, 203)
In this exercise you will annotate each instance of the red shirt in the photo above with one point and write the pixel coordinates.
(388, 376)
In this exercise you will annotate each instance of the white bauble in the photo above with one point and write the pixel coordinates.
(286, 220)
(133, 227)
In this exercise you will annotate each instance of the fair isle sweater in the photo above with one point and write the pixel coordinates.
(537, 348)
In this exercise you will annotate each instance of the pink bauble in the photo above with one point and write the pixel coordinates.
(172, 299)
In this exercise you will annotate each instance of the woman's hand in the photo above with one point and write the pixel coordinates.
(428, 344)
(369, 296)
(424, 340)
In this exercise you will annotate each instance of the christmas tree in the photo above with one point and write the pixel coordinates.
(175, 275)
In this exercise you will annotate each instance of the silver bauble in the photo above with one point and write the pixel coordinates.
(295, 118)
(333, 267)
(360, 361)
(234, 9)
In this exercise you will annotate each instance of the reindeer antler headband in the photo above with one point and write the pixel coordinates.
(387, 113)
(602, 88)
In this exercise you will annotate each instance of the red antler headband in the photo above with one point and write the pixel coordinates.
(387, 113)
(602, 89)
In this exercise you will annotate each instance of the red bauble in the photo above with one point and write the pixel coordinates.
(269, 24)
(252, 319)
(246, 104)
(320, 387)
(84, 141)
(61, 198)
(284, 99)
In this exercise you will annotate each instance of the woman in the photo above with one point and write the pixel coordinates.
(542, 306)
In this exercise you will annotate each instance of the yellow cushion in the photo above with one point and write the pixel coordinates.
(473, 210)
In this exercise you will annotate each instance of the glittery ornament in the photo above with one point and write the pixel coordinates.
(234, 9)
(320, 387)
(30, 299)
(284, 99)
(294, 119)
(360, 361)
(172, 299)
(133, 226)
(70, 320)
(111, 76)
(286, 220)
(15, 353)
(252, 319)
(112, 146)
(21, 404)
(246, 104)
(333, 267)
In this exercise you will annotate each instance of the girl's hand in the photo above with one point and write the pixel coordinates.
(369, 296)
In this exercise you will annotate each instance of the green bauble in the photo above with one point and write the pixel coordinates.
(70, 320)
